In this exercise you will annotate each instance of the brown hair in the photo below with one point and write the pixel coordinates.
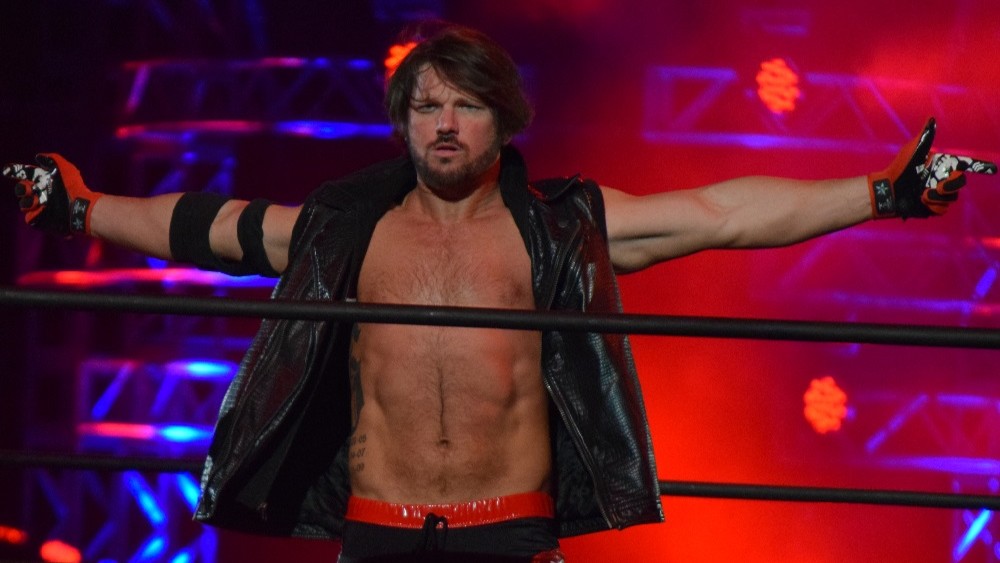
(467, 60)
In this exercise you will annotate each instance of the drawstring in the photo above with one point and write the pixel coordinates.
(433, 540)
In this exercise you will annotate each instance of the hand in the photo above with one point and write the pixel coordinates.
(919, 183)
(52, 195)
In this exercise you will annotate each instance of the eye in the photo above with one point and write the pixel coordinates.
(425, 107)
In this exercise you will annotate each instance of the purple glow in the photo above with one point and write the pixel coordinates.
(145, 498)
(128, 276)
(175, 433)
(183, 434)
(207, 369)
(977, 527)
(332, 129)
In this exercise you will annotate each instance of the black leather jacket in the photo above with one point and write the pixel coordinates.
(277, 461)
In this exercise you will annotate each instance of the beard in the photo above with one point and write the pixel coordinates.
(454, 182)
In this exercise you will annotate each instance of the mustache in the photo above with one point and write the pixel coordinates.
(449, 138)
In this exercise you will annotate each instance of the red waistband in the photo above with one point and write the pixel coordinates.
(458, 515)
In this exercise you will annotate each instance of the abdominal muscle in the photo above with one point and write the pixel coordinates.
(448, 415)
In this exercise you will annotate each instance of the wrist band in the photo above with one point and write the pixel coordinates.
(883, 200)
(79, 213)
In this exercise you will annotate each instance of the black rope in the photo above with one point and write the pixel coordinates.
(667, 488)
(532, 320)
(716, 327)
(100, 462)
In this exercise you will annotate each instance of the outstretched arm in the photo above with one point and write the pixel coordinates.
(54, 198)
(741, 213)
(143, 225)
(766, 212)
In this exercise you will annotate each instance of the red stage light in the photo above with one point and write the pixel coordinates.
(396, 55)
(12, 536)
(55, 551)
(778, 86)
(825, 405)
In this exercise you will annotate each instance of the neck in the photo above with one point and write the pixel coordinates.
(478, 197)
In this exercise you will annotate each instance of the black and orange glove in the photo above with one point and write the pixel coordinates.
(52, 195)
(920, 183)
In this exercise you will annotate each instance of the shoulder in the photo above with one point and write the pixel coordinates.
(557, 189)
(369, 191)
(576, 195)
(382, 181)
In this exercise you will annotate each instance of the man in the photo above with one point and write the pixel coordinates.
(410, 439)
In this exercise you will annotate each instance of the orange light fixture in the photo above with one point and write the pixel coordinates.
(13, 536)
(396, 55)
(778, 86)
(825, 405)
(56, 551)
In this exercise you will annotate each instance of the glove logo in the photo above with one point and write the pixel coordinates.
(884, 204)
(78, 215)
(42, 185)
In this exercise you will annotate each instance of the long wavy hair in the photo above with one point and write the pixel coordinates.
(467, 60)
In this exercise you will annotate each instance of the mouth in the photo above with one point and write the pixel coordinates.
(445, 148)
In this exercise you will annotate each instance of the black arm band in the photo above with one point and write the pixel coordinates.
(189, 225)
(250, 232)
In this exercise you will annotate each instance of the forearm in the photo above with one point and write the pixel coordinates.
(749, 212)
(765, 212)
(140, 224)
(206, 229)
(143, 225)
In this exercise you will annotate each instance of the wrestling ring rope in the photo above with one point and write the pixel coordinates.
(660, 325)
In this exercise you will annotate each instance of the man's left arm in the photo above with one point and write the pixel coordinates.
(755, 212)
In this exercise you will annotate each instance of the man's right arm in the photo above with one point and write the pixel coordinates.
(54, 198)
(143, 225)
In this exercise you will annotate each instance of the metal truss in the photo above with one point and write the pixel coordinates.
(129, 516)
(953, 277)
(228, 26)
(945, 432)
(122, 393)
(320, 97)
(398, 11)
(719, 106)
(187, 165)
(129, 407)
(949, 433)
(977, 532)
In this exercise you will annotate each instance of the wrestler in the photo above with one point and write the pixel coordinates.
(473, 443)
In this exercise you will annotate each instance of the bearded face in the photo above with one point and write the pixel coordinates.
(451, 135)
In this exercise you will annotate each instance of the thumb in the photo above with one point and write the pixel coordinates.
(924, 142)
(45, 161)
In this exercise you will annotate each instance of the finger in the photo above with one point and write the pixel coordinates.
(951, 184)
(968, 164)
(926, 139)
(22, 188)
(28, 202)
(32, 215)
(938, 203)
(981, 166)
(17, 171)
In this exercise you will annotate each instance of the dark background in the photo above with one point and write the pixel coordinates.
(720, 410)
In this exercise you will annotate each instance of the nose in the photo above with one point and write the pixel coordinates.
(446, 121)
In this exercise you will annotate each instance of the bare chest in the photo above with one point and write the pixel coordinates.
(480, 263)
